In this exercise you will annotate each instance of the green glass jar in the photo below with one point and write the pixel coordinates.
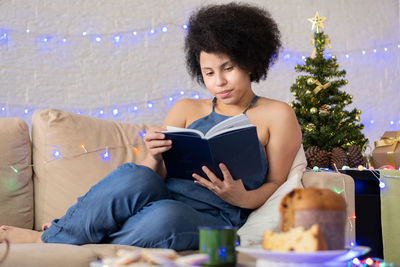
(219, 243)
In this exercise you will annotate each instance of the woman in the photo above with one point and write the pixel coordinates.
(227, 48)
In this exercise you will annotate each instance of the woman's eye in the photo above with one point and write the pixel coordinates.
(209, 73)
(229, 68)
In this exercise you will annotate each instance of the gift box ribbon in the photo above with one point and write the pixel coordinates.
(389, 141)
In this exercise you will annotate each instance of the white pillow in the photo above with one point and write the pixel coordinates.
(267, 216)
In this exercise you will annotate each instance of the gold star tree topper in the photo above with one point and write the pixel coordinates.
(317, 22)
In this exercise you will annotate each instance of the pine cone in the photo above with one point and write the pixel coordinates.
(311, 152)
(339, 157)
(355, 157)
(317, 157)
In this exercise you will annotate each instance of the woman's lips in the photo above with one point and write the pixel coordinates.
(224, 94)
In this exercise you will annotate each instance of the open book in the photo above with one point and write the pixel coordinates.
(233, 142)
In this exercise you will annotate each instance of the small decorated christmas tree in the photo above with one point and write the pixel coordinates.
(319, 103)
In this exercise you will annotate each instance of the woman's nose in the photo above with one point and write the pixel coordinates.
(220, 80)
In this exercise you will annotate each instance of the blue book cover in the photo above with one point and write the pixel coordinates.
(233, 142)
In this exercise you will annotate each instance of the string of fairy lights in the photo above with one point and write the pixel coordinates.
(13, 37)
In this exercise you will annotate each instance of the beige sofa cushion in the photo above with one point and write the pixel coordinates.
(46, 255)
(16, 195)
(63, 169)
(267, 216)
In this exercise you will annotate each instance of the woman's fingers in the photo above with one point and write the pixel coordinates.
(202, 181)
(159, 143)
(226, 173)
(213, 178)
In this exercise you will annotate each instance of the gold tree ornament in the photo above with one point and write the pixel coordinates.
(311, 127)
(317, 22)
(324, 110)
(313, 110)
(310, 81)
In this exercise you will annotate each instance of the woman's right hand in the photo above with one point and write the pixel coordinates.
(156, 143)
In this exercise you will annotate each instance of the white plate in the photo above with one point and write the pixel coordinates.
(304, 257)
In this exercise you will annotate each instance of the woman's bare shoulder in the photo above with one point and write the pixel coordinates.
(184, 110)
(273, 110)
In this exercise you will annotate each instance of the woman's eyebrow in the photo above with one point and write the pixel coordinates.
(222, 65)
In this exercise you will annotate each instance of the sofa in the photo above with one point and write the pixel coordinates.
(46, 167)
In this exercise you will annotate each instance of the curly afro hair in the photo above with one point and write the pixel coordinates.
(245, 33)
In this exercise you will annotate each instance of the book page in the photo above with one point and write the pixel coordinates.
(223, 126)
(172, 129)
(228, 130)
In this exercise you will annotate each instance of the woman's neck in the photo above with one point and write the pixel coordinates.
(234, 108)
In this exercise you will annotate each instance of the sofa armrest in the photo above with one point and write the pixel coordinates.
(341, 183)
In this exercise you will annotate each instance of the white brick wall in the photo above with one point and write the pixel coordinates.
(84, 75)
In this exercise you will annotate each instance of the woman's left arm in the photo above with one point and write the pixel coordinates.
(283, 143)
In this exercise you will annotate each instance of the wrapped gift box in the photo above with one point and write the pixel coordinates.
(387, 150)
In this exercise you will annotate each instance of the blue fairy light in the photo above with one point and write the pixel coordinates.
(3, 36)
(64, 40)
(149, 104)
(98, 39)
(134, 33)
(28, 30)
(142, 133)
(101, 112)
(382, 185)
(3, 108)
(195, 95)
(185, 26)
(117, 38)
(363, 52)
(26, 111)
(182, 92)
(105, 155)
(286, 56)
(115, 112)
(84, 33)
(133, 109)
(56, 154)
(164, 29)
(374, 50)
(152, 31)
(171, 99)
(372, 121)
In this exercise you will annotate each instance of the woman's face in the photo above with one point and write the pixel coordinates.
(225, 80)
